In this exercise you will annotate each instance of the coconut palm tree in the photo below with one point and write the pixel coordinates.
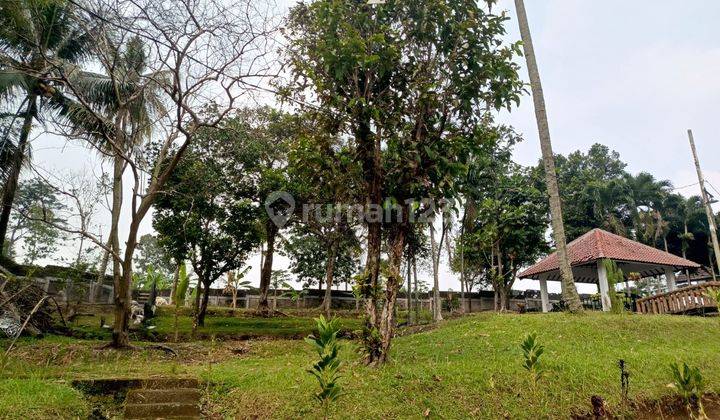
(648, 197)
(127, 99)
(569, 291)
(35, 35)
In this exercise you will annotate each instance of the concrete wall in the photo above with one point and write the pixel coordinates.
(86, 292)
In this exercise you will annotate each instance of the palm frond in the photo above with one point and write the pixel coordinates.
(12, 84)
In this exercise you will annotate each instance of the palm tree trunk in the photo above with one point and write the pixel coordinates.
(569, 292)
(10, 188)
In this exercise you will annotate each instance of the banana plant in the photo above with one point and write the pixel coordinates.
(180, 292)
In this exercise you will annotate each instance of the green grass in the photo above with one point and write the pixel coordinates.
(221, 323)
(40, 399)
(469, 367)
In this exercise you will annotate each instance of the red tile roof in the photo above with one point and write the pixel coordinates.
(599, 244)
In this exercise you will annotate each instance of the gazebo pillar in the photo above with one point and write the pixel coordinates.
(670, 278)
(544, 298)
(603, 286)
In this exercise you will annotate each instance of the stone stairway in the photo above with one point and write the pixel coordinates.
(164, 399)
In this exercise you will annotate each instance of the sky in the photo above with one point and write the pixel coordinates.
(633, 75)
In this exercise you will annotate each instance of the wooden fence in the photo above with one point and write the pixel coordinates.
(687, 299)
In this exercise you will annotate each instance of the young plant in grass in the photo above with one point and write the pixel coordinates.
(532, 350)
(326, 370)
(180, 292)
(688, 382)
(714, 294)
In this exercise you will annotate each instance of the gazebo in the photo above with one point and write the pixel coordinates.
(587, 253)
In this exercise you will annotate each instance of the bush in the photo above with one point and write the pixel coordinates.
(326, 370)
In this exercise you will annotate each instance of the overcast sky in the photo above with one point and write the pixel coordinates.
(633, 75)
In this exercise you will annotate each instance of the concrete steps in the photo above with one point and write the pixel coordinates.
(164, 399)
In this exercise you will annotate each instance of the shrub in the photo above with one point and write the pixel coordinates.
(689, 384)
(714, 294)
(326, 370)
(532, 350)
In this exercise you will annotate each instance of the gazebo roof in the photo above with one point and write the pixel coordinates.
(599, 244)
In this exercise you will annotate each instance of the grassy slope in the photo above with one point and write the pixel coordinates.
(469, 367)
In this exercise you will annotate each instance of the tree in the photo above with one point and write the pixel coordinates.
(206, 212)
(152, 253)
(375, 66)
(37, 208)
(324, 178)
(309, 258)
(569, 291)
(150, 278)
(84, 193)
(33, 32)
(262, 137)
(173, 35)
(235, 283)
(344, 53)
(507, 231)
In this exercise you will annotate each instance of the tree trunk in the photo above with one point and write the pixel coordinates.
(408, 295)
(204, 304)
(417, 290)
(80, 248)
(394, 281)
(10, 188)
(504, 299)
(369, 150)
(329, 271)
(372, 268)
(266, 273)
(121, 326)
(121, 285)
(196, 308)
(569, 291)
(435, 253)
(101, 272)
(176, 278)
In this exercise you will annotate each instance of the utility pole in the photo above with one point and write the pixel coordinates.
(706, 202)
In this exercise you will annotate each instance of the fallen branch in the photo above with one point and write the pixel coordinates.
(166, 349)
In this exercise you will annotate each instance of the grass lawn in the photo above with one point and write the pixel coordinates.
(220, 323)
(468, 367)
